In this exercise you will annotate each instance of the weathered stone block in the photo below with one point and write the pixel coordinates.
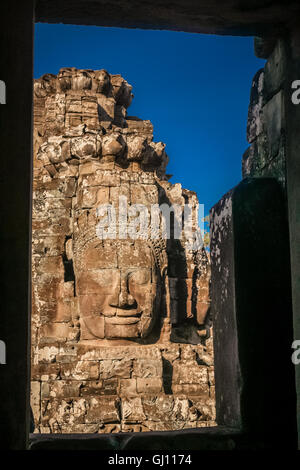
(47, 354)
(67, 354)
(104, 410)
(158, 408)
(149, 385)
(144, 194)
(189, 372)
(274, 122)
(275, 70)
(64, 310)
(132, 410)
(89, 168)
(147, 368)
(188, 353)
(60, 332)
(200, 389)
(45, 372)
(115, 368)
(101, 387)
(58, 188)
(49, 227)
(205, 408)
(60, 412)
(47, 245)
(42, 207)
(80, 370)
(115, 192)
(92, 197)
(128, 387)
(52, 265)
(60, 389)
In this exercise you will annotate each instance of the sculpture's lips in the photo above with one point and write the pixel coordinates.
(122, 313)
(122, 320)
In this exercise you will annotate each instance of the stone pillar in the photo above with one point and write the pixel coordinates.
(272, 131)
(224, 315)
(16, 35)
(252, 313)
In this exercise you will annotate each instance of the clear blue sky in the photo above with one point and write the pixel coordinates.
(194, 89)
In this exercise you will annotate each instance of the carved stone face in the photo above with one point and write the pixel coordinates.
(118, 288)
(103, 81)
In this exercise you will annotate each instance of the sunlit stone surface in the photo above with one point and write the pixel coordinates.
(121, 333)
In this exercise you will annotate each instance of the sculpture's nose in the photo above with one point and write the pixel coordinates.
(126, 300)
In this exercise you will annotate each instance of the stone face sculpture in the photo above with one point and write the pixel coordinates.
(121, 334)
(119, 287)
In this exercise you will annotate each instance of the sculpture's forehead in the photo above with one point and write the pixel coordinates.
(121, 254)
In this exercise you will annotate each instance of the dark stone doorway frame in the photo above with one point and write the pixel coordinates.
(239, 18)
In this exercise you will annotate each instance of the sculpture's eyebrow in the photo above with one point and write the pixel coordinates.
(147, 271)
(131, 271)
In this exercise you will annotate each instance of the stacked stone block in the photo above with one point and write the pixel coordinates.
(82, 389)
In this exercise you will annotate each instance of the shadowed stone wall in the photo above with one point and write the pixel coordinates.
(254, 215)
(249, 247)
(266, 127)
(121, 333)
(238, 17)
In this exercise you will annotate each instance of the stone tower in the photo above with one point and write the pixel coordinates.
(121, 334)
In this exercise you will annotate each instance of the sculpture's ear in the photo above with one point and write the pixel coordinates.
(164, 273)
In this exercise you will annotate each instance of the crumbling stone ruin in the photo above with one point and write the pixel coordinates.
(266, 126)
(121, 331)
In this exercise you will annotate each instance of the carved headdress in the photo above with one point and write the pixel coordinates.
(88, 235)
